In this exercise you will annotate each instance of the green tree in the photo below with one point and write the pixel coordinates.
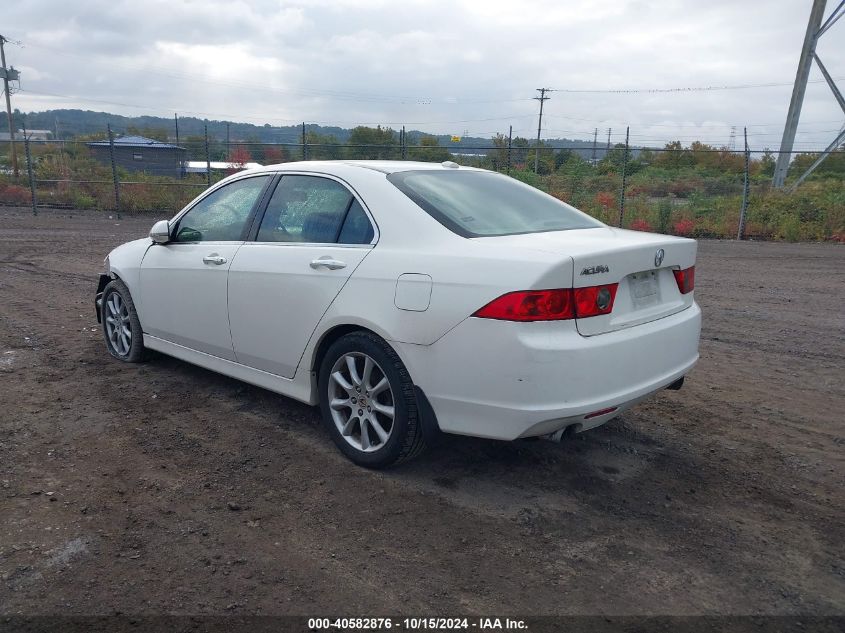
(562, 156)
(323, 146)
(766, 164)
(156, 133)
(519, 153)
(674, 156)
(832, 165)
(429, 150)
(499, 156)
(546, 164)
(382, 140)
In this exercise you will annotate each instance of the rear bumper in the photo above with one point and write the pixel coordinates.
(507, 380)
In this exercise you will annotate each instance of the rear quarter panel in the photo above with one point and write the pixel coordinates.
(465, 277)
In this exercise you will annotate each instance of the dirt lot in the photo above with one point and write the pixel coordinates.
(166, 488)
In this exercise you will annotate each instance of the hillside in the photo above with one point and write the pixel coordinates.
(67, 124)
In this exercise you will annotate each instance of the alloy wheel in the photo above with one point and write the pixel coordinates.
(361, 401)
(118, 324)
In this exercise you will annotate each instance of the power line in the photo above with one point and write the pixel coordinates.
(681, 89)
(261, 117)
(342, 95)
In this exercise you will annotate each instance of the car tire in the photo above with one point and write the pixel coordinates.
(121, 326)
(357, 406)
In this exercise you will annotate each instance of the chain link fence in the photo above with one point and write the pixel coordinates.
(696, 191)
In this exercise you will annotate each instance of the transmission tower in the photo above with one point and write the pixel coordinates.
(815, 29)
(732, 139)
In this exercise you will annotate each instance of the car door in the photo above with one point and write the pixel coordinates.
(312, 236)
(183, 282)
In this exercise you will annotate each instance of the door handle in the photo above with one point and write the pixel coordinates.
(328, 262)
(214, 258)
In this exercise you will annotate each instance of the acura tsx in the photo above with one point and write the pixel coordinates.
(409, 299)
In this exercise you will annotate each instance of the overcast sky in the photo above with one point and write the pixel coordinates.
(446, 66)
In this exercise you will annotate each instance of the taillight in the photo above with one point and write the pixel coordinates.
(685, 279)
(551, 305)
(530, 305)
(595, 300)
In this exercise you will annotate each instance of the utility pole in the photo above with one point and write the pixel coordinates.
(624, 178)
(228, 146)
(9, 73)
(29, 170)
(595, 139)
(510, 145)
(542, 99)
(607, 151)
(207, 158)
(814, 30)
(115, 181)
(740, 232)
(180, 164)
(404, 144)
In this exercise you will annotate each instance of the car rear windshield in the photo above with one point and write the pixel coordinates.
(486, 204)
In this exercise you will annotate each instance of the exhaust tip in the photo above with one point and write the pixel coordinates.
(561, 434)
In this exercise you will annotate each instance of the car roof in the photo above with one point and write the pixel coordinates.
(384, 166)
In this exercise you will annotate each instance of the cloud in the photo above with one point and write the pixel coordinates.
(437, 65)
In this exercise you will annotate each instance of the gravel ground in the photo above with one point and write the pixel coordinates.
(165, 488)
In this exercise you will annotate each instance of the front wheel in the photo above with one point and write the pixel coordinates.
(367, 402)
(121, 326)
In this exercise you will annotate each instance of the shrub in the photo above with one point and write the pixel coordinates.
(789, 229)
(605, 199)
(684, 227)
(641, 224)
(15, 195)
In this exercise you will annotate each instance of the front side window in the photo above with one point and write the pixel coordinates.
(485, 204)
(314, 210)
(221, 216)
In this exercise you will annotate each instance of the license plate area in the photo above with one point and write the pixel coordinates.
(645, 289)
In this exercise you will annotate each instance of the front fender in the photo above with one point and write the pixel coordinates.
(125, 264)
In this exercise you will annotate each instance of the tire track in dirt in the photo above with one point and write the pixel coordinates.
(180, 490)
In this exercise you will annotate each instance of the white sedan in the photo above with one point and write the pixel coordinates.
(409, 299)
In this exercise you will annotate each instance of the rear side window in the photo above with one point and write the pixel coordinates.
(479, 203)
(314, 210)
(357, 228)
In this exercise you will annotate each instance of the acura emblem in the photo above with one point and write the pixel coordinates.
(658, 257)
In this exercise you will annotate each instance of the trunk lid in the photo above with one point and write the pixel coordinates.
(647, 288)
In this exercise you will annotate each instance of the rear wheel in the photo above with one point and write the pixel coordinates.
(121, 326)
(367, 402)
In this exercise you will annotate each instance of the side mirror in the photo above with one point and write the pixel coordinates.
(160, 233)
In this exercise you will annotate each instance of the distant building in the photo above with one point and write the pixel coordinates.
(201, 167)
(32, 135)
(138, 153)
